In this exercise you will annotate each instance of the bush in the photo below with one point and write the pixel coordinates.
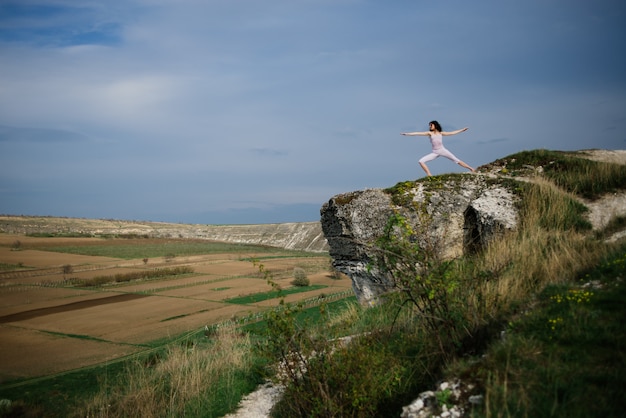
(67, 269)
(374, 371)
(356, 380)
(429, 285)
(299, 277)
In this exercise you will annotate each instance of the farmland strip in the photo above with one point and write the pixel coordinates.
(35, 313)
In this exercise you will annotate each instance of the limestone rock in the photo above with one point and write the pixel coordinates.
(459, 212)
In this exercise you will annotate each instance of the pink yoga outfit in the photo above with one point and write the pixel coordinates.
(436, 140)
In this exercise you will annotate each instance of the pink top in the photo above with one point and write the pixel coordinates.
(436, 140)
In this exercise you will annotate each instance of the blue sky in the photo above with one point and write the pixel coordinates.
(247, 111)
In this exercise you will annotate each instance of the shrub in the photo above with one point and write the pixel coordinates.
(299, 277)
(429, 285)
(67, 269)
(354, 380)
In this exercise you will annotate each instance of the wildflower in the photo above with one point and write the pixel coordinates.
(554, 323)
(579, 296)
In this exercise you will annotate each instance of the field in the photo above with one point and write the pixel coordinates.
(68, 303)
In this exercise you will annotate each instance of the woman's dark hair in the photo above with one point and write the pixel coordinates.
(437, 126)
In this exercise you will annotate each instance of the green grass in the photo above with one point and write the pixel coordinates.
(616, 224)
(564, 358)
(59, 395)
(11, 267)
(310, 316)
(581, 176)
(260, 297)
(569, 213)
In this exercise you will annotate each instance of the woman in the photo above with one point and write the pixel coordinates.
(436, 135)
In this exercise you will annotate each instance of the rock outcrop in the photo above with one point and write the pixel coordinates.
(461, 212)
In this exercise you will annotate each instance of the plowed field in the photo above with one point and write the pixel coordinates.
(50, 322)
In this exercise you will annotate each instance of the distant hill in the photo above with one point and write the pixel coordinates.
(305, 236)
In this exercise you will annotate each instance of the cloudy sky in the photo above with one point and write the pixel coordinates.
(250, 111)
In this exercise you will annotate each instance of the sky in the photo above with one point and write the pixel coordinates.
(249, 111)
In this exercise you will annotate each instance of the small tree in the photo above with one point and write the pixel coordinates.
(67, 269)
(426, 281)
(299, 277)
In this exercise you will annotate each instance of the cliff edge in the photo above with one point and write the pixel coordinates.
(460, 213)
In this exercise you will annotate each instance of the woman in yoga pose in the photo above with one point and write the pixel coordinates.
(436, 135)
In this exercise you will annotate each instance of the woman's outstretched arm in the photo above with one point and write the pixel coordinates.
(415, 133)
(458, 131)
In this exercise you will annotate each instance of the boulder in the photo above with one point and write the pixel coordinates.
(461, 213)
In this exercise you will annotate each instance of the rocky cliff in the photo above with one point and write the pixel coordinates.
(461, 212)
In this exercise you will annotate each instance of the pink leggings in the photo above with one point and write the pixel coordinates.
(441, 152)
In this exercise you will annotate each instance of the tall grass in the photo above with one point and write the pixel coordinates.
(187, 380)
(582, 176)
(549, 247)
(564, 357)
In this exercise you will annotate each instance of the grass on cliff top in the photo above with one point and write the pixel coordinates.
(575, 174)
(581, 176)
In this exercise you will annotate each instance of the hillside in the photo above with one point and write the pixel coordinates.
(306, 236)
(359, 223)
